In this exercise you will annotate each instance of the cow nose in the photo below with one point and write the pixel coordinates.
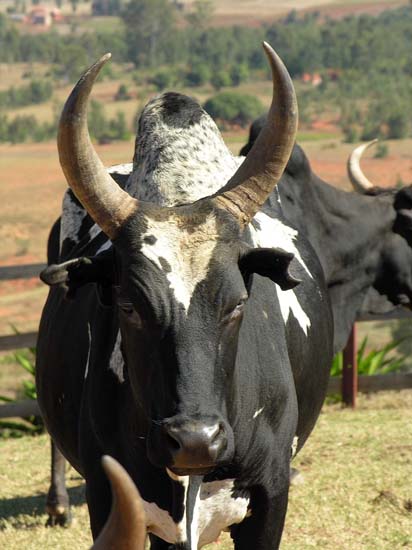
(193, 444)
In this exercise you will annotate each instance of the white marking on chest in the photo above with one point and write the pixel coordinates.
(215, 510)
(186, 253)
(295, 446)
(116, 359)
(89, 335)
(258, 412)
(272, 233)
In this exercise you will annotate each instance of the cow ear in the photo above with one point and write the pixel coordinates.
(78, 272)
(273, 263)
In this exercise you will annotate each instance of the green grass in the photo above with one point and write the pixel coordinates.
(357, 494)
(315, 136)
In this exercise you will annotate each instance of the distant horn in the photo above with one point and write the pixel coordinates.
(263, 167)
(104, 200)
(360, 182)
(126, 527)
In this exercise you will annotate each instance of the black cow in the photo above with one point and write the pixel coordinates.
(363, 241)
(196, 344)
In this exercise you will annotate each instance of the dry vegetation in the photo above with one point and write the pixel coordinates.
(356, 493)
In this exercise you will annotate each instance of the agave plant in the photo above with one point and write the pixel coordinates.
(32, 424)
(376, 361)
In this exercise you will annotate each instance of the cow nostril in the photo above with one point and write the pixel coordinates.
(173, 444)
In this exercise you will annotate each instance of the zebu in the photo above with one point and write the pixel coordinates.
(189, 350)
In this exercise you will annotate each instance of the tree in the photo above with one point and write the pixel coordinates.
(199, 74)
(220, 79)
(149, 25)
(201, 14)
(122, 93)
(234, 107)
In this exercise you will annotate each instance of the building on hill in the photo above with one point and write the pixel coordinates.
(43, 17)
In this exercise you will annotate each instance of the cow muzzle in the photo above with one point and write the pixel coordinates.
(192, 447)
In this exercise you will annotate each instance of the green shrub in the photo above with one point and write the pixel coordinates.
(34, 424)
(381, 151)
(198, 75)
(234, 108)
(122, 93)
(164, 79)
(377, 361)
(38, 91)
(220, 79)
(239, 73)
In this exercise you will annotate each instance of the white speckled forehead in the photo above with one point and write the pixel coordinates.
(184, 254)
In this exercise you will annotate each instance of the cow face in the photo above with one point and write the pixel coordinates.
(182, 295)
(395, 274)
(394, 277)
(181, 299)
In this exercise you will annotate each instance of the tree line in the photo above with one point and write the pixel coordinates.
(151, 38)
(370, 58)
(24, 128)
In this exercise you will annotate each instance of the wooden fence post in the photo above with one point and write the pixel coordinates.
(350, 371)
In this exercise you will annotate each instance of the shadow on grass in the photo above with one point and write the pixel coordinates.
(34, 506)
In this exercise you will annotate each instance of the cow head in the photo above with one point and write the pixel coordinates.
(394, 278)
(183, 275)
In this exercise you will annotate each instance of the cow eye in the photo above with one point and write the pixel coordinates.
(126, 307)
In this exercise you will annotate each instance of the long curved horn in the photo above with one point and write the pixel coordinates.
(104, 200)
(257, 176)
(360, 182)
(126, 527)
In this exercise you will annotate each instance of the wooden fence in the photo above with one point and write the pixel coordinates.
(348, 385)
(26, 407)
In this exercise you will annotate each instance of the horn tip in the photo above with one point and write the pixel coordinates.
(267, 47)
(108, 463)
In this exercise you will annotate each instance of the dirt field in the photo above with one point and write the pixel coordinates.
(231, 12)
(356, 494)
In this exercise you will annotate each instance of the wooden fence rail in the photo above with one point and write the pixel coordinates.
(348, 385)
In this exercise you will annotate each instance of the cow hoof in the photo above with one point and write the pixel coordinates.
(59, 517)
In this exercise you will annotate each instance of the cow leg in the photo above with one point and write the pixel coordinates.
(262, 530)
(57, 503)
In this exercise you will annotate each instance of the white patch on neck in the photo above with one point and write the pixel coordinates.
(186, 249)
(215, 511)
(289, 303)
(272, 233)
